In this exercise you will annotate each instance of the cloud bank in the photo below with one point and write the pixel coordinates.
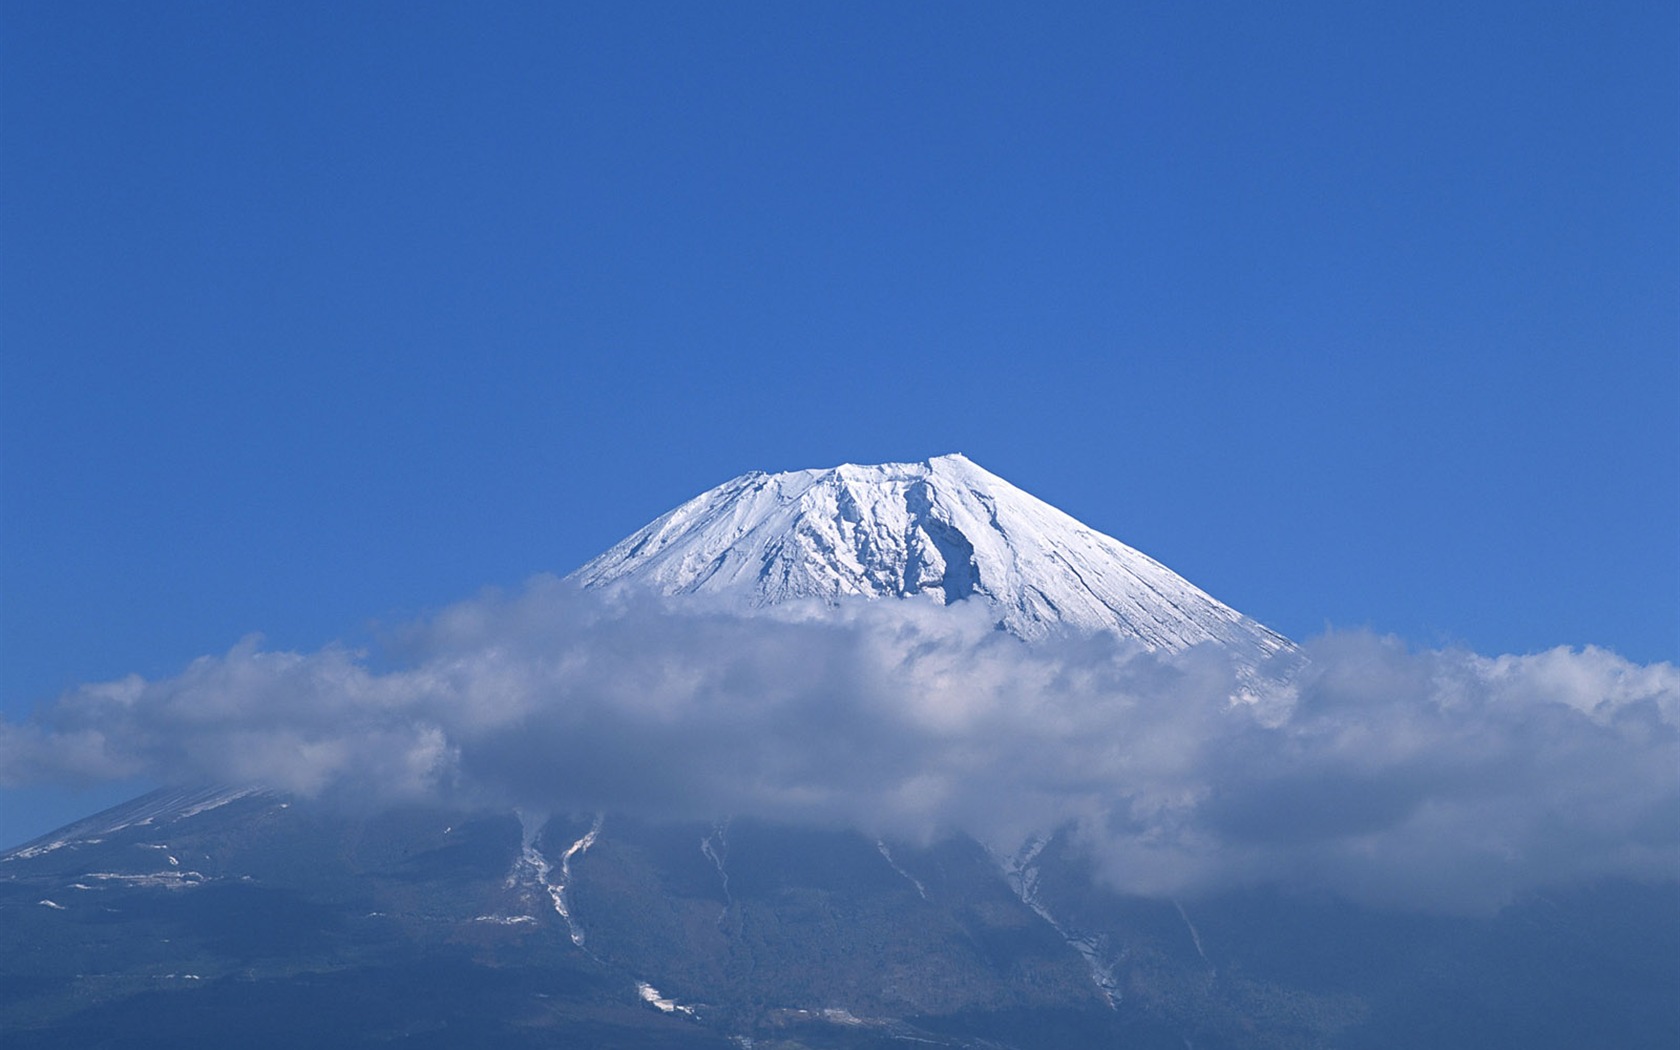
(1438, 779)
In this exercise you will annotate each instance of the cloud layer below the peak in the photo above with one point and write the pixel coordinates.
(1436, 779)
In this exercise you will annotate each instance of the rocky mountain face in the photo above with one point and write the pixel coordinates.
(219, 916)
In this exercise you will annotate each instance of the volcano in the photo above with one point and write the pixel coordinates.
(215, 914)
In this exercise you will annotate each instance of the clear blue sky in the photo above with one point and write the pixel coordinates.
(321, 315)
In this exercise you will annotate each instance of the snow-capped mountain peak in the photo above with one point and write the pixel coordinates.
(945, 529)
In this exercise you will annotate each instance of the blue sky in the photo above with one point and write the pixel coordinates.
(318, 317)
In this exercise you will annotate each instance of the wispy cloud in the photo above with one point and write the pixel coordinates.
(1439, 779)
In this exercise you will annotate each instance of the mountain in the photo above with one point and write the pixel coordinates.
(211, 915)
(943, 530)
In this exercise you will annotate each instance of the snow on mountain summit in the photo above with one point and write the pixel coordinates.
(945, 529)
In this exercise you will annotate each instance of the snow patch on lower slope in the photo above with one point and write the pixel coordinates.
(886, 854)
(168, 879)
(505, 920)
(715, 847)
(533, 867)
(1021, 871)
(650, 995)
(157, 808)
(1195, 935)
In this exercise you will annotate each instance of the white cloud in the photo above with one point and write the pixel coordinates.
(1441, 779)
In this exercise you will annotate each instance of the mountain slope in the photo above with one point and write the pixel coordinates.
(186, 915)
(945, 530)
